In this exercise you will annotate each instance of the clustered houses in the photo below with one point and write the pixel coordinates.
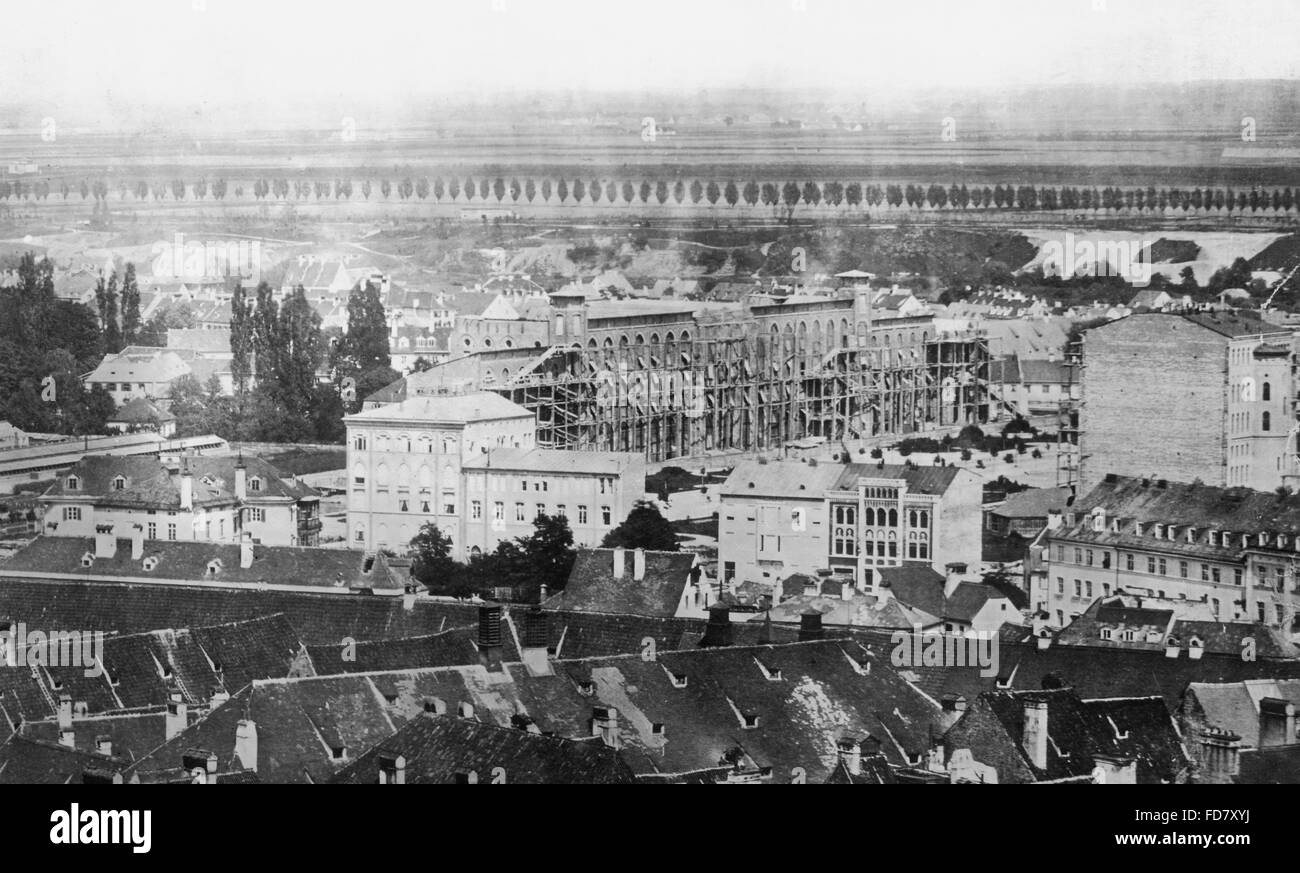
(469, 464)
(1232, 548)
(783, 517)
(190, 498)
(1186, 396)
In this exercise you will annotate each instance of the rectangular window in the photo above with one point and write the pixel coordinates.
(1078, 588)
(560, 511)
(523, 484)
(1088, 557)
(499, 511)
(1205, 572)
(171, 531)
(1236, 576)
(1214, 575)
(1151, 564)
(1060, 586)
(1060, 554)
(582, 514)
(519, 512)
(1182, 569)
(1128, 562)
(1087, 588)
(153, 531)
(476, 509)
(541, 509)
(1164, 569)
(72, 513)
(605, 516)
(1078, 556)
(256, 513)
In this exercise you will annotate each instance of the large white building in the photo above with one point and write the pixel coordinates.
(470, 465)
(203, 499)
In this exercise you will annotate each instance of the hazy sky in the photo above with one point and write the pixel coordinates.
(211, 52)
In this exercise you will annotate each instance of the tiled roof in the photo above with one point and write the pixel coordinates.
(319, 619)
(554, 461)
(1034, 503)
(149, 483)
(189, 562)
(26, 761)
(1050, 372)
(796, 478)
(1078, 730)
(1235, 706)
(592, 586)
(479, 406)
(922, 587)
(445, 749)
(140, 411)
(140, 364)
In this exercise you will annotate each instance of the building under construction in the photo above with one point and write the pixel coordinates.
(679, 379)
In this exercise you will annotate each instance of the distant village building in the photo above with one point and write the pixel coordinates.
(12, 437)
(139, 415)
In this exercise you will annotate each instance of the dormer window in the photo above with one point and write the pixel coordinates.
(1114, 526)
(1107, 633)
(1263, 540)
(119, 483)
(1281, 541)
(255, 483)
(87, 560)
(214, 566)
(750, 720)
(1214, 537)
(1191, 535)
(1245, 541)
(1160, 531)
(1137, 528)
(72, 483)
(150, 563)
(678, 679)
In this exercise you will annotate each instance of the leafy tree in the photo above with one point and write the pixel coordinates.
(731, 193)
(644, 528)
(433, 566)
(629, 192)
(130, 306)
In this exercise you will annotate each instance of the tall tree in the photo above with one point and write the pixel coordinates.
(644, 528)
(130, 306)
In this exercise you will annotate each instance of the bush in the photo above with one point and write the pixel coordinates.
(877, 453)
(1010, 458)
(966, 454)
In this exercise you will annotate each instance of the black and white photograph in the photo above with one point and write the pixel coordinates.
(569, 392)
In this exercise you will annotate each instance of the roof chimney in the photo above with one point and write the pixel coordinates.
(65, 711)
(489, 635)
(175, 721)
(718, 631)
(1277, 723)
(952, 578)
(104, 745)
(137, 542)
(68, 737)
(187, 488)
(1035, 732)
(105, 542)
(604, 724)
(619, 563)
(392, 769)
(241, 480)
(1220, 754)
(851, 755)
(810, 626)
(246, 551)
(638, 565)
(535, 656)
(246, 744)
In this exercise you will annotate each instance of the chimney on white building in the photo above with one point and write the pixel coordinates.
(953, 578)
(175, 721)
(246, 551)
(604, 724)
(104, 745)
(105, 541)
(137, 542)
(65, 711)
(619, 562)
(638, 565)
(241, 479)
(1035, 733)
(851, 755)
(187, 488)
(246, 744)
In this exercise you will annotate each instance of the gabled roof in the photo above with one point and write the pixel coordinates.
(140, 411)
(798, 479)
(27, 761)
(592, 586)
(1077, 732)
(1034, 503)
(456, 409)
(149, 483)
(445, 749)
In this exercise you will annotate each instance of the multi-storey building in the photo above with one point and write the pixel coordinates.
(185, 499)
(675, 378)
(1206, 396)
(785, 517)
(470, 465)
(1232, 548)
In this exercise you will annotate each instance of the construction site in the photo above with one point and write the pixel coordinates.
(678, 381)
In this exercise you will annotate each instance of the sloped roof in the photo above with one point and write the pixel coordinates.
(140, 411)
(1034, 503)
(27, 761)
(1078, 730)
(150, 484)
(592, 586)
(795, 478)
(443, 749)
(505, 459)
(1235, 706)
(140, 364)
(185, 562)
(459, 409)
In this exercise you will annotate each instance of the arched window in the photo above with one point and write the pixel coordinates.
(893, 518)
(911, 519)
(925, 521)
(1266, 392)
(869, 516)
(1267, 421)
